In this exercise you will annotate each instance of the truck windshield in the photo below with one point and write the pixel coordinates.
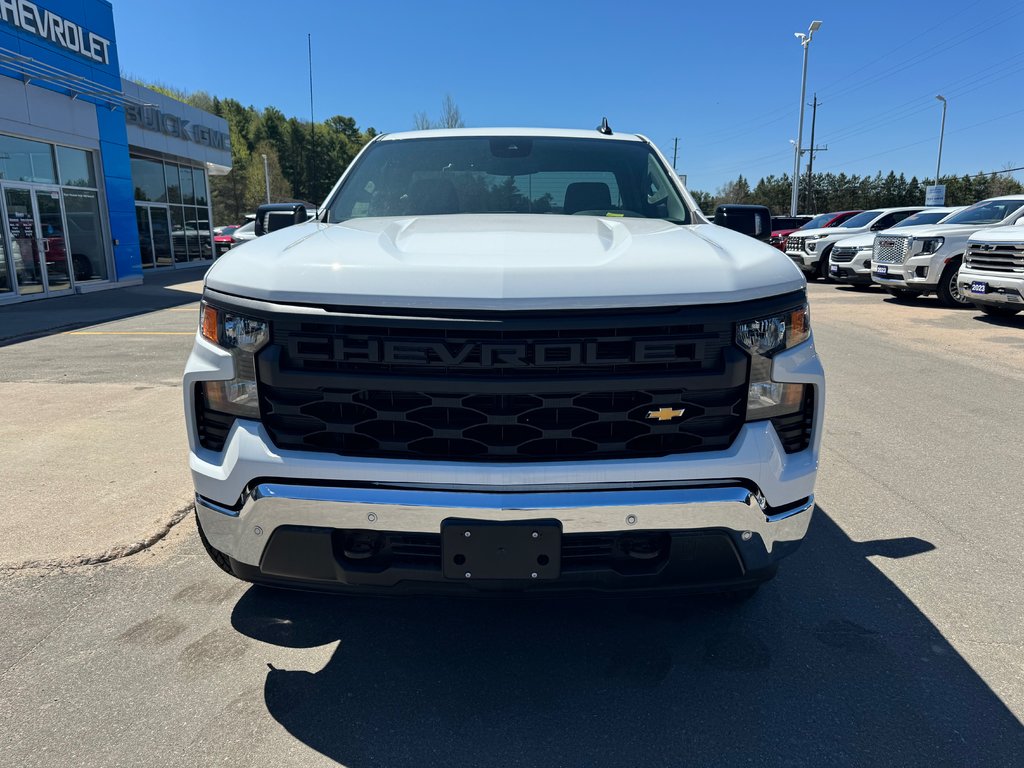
(508, 174)
(986, 212)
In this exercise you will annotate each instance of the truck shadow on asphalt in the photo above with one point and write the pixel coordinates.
(830, 664)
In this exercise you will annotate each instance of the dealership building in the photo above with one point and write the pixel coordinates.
(101, 179)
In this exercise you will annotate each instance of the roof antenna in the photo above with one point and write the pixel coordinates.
(603, 127)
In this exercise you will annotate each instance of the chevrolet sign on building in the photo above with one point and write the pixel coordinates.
(100, 178)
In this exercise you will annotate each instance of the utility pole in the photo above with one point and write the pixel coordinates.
(805, 41)
(675, 151)
(812, 149)
(266, 176)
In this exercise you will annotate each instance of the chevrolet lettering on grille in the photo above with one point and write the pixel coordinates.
(357, 349)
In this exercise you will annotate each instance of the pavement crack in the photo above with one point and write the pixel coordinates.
(116, 552)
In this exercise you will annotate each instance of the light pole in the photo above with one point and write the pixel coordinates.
(805, 41)
(266, 176)
(942, 131)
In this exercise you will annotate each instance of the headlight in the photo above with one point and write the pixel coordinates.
(773, 334)
(762, 339)
(930, 245)
(243, 336)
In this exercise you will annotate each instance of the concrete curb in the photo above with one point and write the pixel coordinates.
(116, 552)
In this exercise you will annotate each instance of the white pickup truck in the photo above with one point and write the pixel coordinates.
(992, 275)
(511, 359)
(928, 259)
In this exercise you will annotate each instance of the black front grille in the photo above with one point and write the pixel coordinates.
(508, 386)
(502, 427)
(651, 343)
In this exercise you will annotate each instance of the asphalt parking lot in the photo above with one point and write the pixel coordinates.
(893, 637)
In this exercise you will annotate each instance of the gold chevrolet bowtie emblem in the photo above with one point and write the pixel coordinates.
(666, 414)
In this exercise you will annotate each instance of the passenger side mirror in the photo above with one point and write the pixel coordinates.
(752, 220)
(274, 216)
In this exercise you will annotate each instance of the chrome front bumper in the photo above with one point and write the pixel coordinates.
(1001, 290)
(244, 532)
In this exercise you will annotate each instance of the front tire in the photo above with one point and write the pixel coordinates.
(949, 291)
(821, 269)
(997, 311)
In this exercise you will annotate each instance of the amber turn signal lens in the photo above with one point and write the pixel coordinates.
(799, 326)
(209, 323)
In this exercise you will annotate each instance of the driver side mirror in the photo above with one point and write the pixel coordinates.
(752, 220)
(274, 216)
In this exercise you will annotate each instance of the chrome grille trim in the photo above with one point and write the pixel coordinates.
(842, 255)
(891, 249)
(995, 257)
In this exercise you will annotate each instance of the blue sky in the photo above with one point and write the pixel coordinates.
(722, 77)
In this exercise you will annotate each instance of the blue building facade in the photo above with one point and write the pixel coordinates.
(74, 138)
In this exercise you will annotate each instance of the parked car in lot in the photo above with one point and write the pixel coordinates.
(928, 259)
(222, 241)
(821, 221)
(809, 248)
(783, 225)
(244, 234)
(992, 275)
(850, 259)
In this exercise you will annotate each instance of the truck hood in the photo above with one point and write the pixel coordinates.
(834, 233)
(856, 241)
(1005, 234)
(942, 230)
(504, 261)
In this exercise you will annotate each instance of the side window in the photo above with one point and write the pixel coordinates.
(889, 219)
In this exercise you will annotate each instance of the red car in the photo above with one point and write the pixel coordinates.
(222, 241)
(821, 221)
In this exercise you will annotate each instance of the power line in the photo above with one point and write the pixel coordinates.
(938, 49)
(925, 141)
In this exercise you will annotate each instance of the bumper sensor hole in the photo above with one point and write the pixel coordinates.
(459, 559)
(543, 560)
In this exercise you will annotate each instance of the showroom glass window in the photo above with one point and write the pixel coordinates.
(82, 214)
(78, 228)
(183, 191)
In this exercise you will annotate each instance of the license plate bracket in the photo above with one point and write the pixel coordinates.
(881, 269)
(977, 286)
(833, 269)
(529, 550)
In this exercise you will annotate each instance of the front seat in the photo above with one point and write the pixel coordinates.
(587, 196)
(431, 196)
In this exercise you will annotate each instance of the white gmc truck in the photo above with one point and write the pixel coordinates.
(505, 360)
(992, 275)
(928, 259)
